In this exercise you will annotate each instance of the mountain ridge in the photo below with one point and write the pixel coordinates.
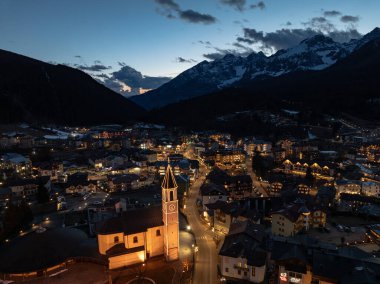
(35, 91)
(350, 85)
(315, 53)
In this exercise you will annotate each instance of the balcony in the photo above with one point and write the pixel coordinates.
(241, 267)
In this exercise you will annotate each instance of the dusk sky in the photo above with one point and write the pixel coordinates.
(165, 37)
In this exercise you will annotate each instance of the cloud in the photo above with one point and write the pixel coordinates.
(205, 42)
(288, 23)
(93, 68)
(104, 76)
(320, 24)
(183, 60)
(332, 13)
(168, 4)
(259, 5)
(344, 36)
(78, 56)
(237, 4)
(219, 53)
(192, 16)
(285, 38)
(246, 40)
(121, 64)
(171, 10)
(213, 55)
(349, 19)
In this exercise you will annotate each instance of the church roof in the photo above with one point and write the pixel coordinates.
(120, 249)
(134, 221)
(169, 179)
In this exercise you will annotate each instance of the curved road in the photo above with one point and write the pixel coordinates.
(206, 257)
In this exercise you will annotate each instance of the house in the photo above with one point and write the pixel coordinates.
(50, 169)
(371, 188)
(222, 214)
(243, 255)
(348, 186)
(137, 235)
(123, 182)
(17, 162)
(307, 260)
(238, 186)
(261, 146)
(211, 193)
(79, 183)
(295, 218)
(27, 187)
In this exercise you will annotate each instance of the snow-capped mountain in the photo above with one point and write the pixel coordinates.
(315, 53)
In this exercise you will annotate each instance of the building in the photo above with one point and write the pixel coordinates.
(371, 188)
(348, 186)
(263, 147)
(222, 214)
(295, 218)
(242, 255)
(211, 193)
(19, 163)
(306, 260)
(137, 235)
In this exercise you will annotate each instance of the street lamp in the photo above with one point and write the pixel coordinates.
(188, 227)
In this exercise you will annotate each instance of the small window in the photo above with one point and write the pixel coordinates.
(253, 271)
(226, 269)
(171, 195)
(116, 239)
(245, 273)
(158, 233)
(239, 272)
(135, 240)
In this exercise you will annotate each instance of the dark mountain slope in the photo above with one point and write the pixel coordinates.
(34, 91)
(352, 85)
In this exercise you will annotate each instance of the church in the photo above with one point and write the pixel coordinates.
(140, 234)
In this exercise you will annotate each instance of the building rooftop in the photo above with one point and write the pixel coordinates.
(133, 221)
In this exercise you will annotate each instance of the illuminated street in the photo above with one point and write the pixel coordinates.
(206, 256)
(256, 183)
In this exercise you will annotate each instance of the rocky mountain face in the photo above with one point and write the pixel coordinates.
(350, 86)
(316, 53)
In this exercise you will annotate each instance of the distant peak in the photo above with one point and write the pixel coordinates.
(375, 33)
(256, 56)
(229, 56)
(317, 39)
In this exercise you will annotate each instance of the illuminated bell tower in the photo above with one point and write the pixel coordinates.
(170, 215)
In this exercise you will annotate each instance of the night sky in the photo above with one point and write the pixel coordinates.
(165, 37)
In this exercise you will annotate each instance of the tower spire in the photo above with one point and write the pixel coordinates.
(169, 179)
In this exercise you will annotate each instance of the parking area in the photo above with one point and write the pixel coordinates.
(354, 235)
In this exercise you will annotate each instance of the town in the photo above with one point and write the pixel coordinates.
(117, 204)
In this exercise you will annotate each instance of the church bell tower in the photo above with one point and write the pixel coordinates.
(170, 215)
